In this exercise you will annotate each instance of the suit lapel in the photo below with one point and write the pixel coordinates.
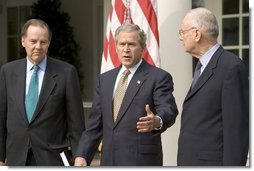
(48, 85)
(19, 83)
(136, 82)
(109, 84)
(206, 75)
(201, 81)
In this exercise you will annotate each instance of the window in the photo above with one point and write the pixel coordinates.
(235, 28)
(233, 20)
(16, 17)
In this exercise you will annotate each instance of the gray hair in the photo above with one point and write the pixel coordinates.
(35, 22)
(205, 20)
(132, 28)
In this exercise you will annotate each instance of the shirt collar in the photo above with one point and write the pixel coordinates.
(132, 69)
(42, 65)
(208, 55)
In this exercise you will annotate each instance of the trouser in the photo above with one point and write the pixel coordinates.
(30, 161)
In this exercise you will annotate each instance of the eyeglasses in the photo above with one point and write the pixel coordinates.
(182, 32)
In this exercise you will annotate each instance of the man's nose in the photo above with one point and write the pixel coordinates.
(38, 45)
(126, 48)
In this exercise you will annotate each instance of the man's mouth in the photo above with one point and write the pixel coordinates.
(36, 53)
(126, 57)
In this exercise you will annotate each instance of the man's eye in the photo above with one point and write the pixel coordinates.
(44, 42)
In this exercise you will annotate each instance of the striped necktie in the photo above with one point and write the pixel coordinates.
(119, 94)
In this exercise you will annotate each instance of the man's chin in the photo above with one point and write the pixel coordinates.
(127, 64)
(37, 58)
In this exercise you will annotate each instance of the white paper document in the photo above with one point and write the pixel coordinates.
(64, 158)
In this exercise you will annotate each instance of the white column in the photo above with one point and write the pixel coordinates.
(177, 63)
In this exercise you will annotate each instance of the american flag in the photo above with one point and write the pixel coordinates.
(140, 12)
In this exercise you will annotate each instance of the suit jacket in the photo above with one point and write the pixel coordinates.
(215, 116)
(58, 120)
(122, 144)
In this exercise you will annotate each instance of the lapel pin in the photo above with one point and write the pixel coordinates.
(138, 82)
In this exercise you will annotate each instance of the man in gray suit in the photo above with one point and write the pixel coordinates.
(148, 108)
(56, 121)
(215, 116)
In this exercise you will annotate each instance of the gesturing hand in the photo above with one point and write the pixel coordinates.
(149, 122)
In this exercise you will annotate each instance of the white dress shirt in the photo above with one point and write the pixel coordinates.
(41, 72)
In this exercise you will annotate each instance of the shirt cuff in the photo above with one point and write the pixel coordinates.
(161, 123)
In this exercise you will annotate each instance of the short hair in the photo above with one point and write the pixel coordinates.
(205, 20)
(35, 22)
(126, 27)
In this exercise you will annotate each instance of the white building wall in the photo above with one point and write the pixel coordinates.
(177, 63)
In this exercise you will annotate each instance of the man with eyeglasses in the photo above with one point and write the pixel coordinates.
(215, 116)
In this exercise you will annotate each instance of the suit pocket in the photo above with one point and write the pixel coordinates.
(210, 155)
(149, 149)
(149, 155)
(59, 147)
(65, 149)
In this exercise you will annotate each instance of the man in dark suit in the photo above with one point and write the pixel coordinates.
(148, 108)
(56, 122)
(215, 117)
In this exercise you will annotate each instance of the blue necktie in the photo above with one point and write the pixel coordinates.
(32, 95)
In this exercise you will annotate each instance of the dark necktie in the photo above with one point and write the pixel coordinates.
(196, 74)
(119, 94)
(32, 95)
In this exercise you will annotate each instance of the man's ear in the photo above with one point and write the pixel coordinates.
(198, 35)
(23, 41)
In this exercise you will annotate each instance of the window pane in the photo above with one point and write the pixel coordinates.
(234, 51)
(17, 16)
(230, 31)
(13, 44)
(245, 6)
(198, 3)
(25, 12)
(245, 57)
(12, 18)
(246, 31)
(230, 7)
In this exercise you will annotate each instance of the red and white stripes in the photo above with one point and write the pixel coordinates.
(140, 12)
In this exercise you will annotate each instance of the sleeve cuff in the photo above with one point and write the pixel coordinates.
(161, 123)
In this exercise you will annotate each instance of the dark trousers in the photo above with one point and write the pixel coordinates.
(30, 160)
